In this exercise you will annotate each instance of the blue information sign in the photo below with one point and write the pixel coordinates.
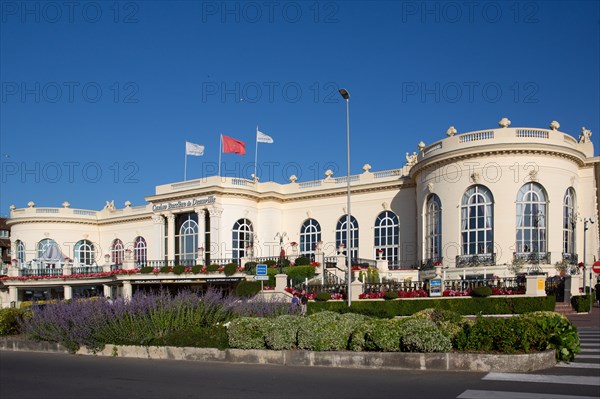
(261, 270)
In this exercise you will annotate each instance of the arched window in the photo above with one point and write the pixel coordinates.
(531, 220)
(310, 234)
(569, 224)
(85, 253)
(433, 229)
(477, 221)
(242, 238)
(20, 254)
(44, 245)
(342, 238)
(117, 252)
(387, 237)
(187, 238)
(140, 254)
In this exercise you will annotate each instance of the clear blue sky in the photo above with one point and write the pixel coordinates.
(98, 101)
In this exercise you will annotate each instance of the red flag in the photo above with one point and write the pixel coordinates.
(233, 145)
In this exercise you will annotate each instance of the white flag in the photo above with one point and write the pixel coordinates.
(263, 138)
(194, 149)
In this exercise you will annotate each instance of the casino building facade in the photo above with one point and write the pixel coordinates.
(496, 202)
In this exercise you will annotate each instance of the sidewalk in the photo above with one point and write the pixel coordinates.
(586, 320)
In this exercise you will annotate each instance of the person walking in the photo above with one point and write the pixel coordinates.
(303, 303)
(597, 289)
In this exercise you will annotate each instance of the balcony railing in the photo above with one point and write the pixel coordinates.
(431, 262)
(86, 269)
(571, 259)
(532, 257)
(40, 272)
(476, 260)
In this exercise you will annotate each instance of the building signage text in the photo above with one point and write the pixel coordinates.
(183, 204)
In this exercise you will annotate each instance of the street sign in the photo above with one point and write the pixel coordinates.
(265, 278)
(261, 269)
(596, 267)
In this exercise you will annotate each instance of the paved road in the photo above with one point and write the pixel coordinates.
(43, 375)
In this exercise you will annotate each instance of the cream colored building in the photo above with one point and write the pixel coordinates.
(490, 202)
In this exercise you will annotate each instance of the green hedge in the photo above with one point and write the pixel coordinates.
(581, 303)
(246, 289)
(462, 306)
(9, 321)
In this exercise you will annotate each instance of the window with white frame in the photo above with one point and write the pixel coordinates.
(387, 232)
(477, 221)
(140, 254)
(531, 219)
(44, 245)
(117, 252)
(341, 235)
(569, 222)
(242, 238)
(187, 237)
(433, 229)
(310, 234)
(20, 247)
(85, 253)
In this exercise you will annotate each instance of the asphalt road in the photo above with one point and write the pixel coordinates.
(44, 375)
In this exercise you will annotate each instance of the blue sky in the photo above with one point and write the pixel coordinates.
(98, 98)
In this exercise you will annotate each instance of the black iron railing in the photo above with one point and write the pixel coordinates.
(532, 257)
(570, 258)
(476, 260)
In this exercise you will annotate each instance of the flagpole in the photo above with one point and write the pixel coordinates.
(220, 151)
(256, 156)
(185, 164)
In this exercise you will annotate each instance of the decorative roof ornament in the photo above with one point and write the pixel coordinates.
(31, 204)
(128, 204)
(451, 131)
(328, 173)
(293, 179)
(421, 145)
(504, 122)
(411, 159)
(366, 167)
(66, 204)
(585, 135)
(554, 125)
(110, 205)
(12, 207)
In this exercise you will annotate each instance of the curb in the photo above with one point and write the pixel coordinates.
(471, 362)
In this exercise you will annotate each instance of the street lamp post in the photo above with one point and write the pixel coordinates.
(346, 96)
(585, 229)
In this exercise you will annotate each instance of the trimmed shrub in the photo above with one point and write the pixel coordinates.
(196, 269)
(581, 303)
(166, 269)
(198, 337)
(248, 332)
(270, 262)
(422, 335)
(179, 269)
(146, 270)
(450, 323)
(302, 261)
(481, 292)
(555, 331)
(390, 295)
(212, 268)
(323, 297)
(299, 274)
(246, 289)
(230, 269)
(323, 331)
(9, 321)
(384, 335)
(283, 333)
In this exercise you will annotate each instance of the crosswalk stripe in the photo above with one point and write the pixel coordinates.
(479, 394)
(576, 365)
(588, 344)
(590, 350)
(548, 379)
(587, 357)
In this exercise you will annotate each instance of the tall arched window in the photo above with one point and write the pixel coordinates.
(433, 229)
(310, 234)
(186, 238)
(117, 252)
(569, 224)
(20, 253)
(477, 222)
(342, 238)
(44, 245)
(85, 253)
(140, 254)
(387, 237)
(531, 220)
(242, 237)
